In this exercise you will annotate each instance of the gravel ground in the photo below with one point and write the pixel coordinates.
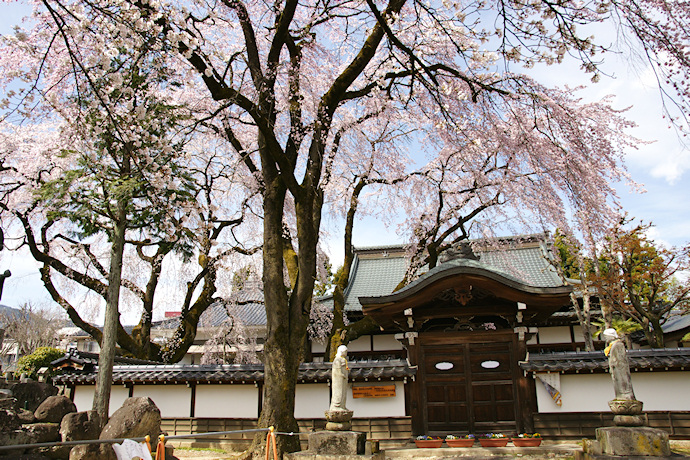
(185, 454)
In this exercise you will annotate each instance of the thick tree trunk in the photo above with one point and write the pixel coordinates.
(284, 336)
(104, 378)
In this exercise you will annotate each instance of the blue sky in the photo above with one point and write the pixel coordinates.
(660, 167)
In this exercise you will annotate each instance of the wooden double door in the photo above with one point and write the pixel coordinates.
(467, 383)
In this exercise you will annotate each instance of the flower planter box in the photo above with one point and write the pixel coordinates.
(460, 442)
(494, 442)
(426, 443)
(526, 442)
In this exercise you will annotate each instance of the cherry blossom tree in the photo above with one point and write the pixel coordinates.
(120, 181)
(477, 185)
(290, 86)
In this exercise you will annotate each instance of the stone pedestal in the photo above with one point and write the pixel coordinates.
(627, 442)
(338, 420)
(627, 412)
(336, 445)
(337, 442)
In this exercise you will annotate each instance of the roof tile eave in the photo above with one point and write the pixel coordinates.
(233, 373)
(677, 358)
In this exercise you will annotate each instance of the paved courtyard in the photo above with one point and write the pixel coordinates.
(556, 450)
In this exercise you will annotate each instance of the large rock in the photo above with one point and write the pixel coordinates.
(9, 421)
(7, 401)
(28, 434)
(25, 416)
(42, 432)
(30, 395)
(54, 408)
(55, 452)
(30, 456)
(80, 426)
(85, 452)
(136, 418)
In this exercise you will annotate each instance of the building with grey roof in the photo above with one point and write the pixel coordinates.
(470, 346)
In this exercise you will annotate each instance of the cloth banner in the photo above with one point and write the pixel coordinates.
(552, 383)
(132, 450)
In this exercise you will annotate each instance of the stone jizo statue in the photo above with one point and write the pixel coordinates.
(626, 407)
(618, 365)
(339, 375)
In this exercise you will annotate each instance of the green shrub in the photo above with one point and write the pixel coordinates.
(42, 357)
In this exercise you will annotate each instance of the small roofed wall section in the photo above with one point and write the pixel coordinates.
(659, 391)
(242, 401)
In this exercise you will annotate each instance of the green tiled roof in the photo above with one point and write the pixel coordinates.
(373, 277)
(377, 275)
(529, 265)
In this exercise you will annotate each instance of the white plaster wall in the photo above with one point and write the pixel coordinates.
(118, 394)
(379, 407)
(577, 333)
(312, 400)
(662, 390)
(361, 344)
(83, 397)
(592, 392)
(172, 400)
(386, 343)
(318, 347)
(579, 393)
(189, 359)
(231, 401)
(558, 334)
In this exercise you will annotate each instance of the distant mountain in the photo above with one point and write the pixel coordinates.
(8, 312)
(5, 310)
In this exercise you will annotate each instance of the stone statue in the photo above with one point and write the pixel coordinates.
(339, 375)
(618, 365)
(625, 406)
(338, 417)
(629, 438)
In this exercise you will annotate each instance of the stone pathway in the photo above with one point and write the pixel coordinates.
(547, 450)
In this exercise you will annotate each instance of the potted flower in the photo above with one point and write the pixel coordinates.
(428, 441)
(527, 440)
(494, 440)
(456, 441)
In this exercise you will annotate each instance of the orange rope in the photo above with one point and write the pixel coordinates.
(271, 438)
(160, 450)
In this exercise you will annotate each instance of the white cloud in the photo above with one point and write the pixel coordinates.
(672, 167)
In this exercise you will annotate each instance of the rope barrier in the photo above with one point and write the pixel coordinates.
(120, 440)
